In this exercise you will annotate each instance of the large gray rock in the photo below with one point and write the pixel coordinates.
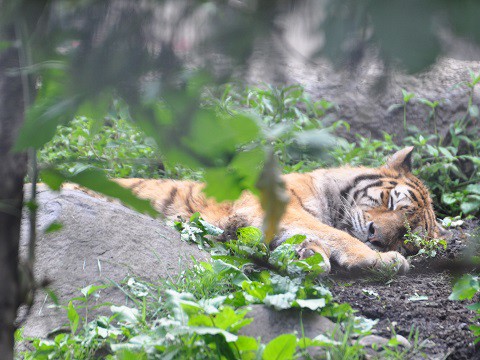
(269, 323)
(100, 241)
(364, 97)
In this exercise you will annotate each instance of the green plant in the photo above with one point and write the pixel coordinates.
(466, 288)
(428, 246)
(432, 115)
(472, 110)
(299, 128)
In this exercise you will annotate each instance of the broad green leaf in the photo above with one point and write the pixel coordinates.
(217, 137)
(52, 107)
(231, 320)
(126, 354)
(210, 229)
(249, 235)
(203, 330)
(312, 304)
(222, 184)
(248, 165)
(125, 314)
(468, 207)
(256, 289)
(473, 111)
(246, 343)
(473, 188)
(281, 348)
(280, 301)
(465, 288)
(448, 199)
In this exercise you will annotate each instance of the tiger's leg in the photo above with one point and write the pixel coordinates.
(337, 245)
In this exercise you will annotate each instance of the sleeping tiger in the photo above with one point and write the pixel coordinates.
(353, 216)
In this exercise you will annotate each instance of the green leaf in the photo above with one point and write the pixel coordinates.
(468, 207)
(281, 348)
(474, 307)
(73, 317)
(473, 188)
(126, 354)
(280, 301)
(312, 304)
(473, 111)
(256, 289)
(249, 235)
(42, 119)
(446, 153)
(94, 179)
(465, 288)
(217, 137)
(295, 239)
(209, 228)
(246, 343)
(202, 330)
(125, 314)
(54, 226)
(222, 184)
(53, 178)
(407, 96)
(91, 289)
(449, 199)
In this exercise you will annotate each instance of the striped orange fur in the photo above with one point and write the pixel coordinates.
(353, 216)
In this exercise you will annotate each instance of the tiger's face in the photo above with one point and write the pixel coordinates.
(379, 215)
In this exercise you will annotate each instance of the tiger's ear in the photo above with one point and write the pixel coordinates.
(401, 161)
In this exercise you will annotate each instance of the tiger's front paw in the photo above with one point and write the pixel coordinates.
(392, 259)
(311, 247)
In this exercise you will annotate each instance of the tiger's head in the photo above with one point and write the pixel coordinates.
(381, 210)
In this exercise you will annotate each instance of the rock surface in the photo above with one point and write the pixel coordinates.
(268, 323)
(100, 241)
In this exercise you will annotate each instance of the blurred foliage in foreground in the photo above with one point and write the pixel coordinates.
(83, 54)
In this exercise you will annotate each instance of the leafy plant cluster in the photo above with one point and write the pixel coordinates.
(117, 146)
(199, 315)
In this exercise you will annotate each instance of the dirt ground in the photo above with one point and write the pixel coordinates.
(443, 325)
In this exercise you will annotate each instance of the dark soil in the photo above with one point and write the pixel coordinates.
(442, 324)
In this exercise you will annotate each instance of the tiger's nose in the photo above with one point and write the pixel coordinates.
(371, 230)
(373, 237)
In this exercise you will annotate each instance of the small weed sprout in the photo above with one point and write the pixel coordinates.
(433, 114)
(407, 96)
